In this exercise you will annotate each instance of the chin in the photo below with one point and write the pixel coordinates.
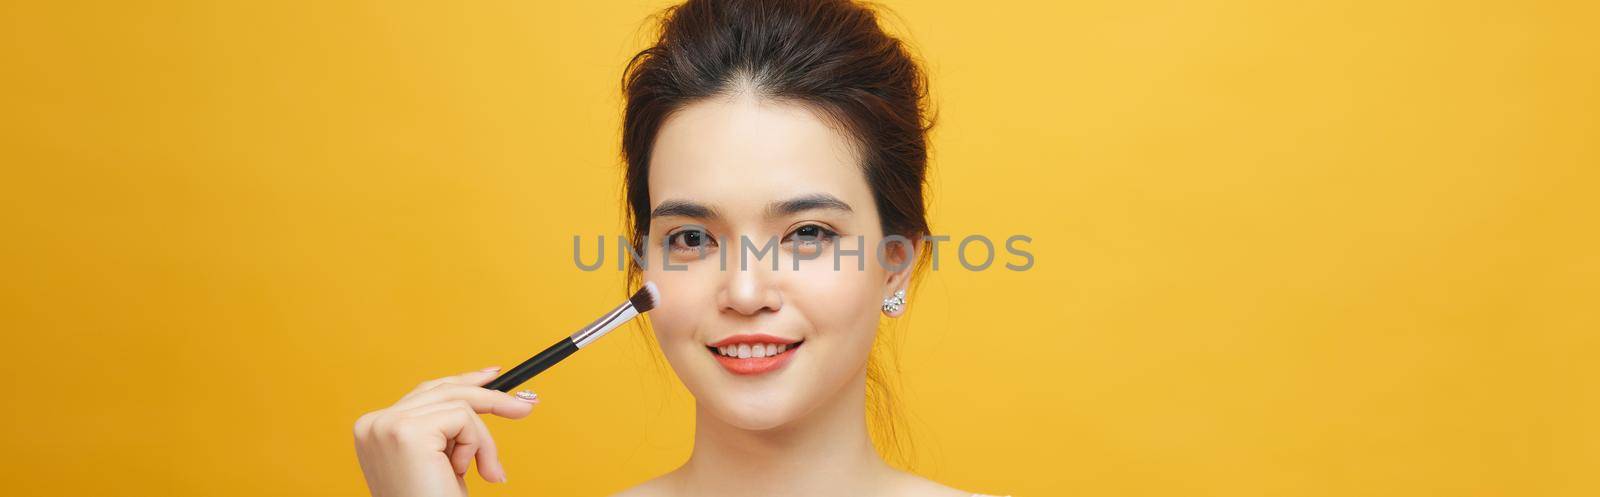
(754, 406)
(753, 414)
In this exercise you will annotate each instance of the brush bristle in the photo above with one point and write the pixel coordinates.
(646, 298)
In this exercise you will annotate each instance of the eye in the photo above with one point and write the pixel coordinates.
(690, 240)
(811, 234)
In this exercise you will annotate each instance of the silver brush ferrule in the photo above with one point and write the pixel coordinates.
(610, 321)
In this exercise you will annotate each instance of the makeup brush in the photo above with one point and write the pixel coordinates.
(641, 302)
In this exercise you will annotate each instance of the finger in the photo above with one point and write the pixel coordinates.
(456, 427)
(461, 456)
(488, 455)
(480, 399)
(471, 438)
(476, 378)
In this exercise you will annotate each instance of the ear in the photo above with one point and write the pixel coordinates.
(901, 257)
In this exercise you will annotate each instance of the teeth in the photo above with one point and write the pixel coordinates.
(749, 350)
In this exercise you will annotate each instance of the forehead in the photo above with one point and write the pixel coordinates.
(746, 152)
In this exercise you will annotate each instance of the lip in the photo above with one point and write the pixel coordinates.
(754, 365)
(753, 338)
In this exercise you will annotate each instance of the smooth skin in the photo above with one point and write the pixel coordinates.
(797, 431)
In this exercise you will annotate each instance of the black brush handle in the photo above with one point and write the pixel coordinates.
(533, 366)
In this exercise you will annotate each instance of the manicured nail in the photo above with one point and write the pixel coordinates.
(490, 369)
(528, 396)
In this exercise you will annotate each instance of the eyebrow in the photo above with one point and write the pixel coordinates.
(815, 201)
(695, 210)
(684, 208)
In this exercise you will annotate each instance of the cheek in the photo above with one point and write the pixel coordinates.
(835, 310)
(684, 296)
(841, 305)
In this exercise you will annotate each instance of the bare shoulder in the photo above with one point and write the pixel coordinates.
(654, 487)
(904, 485)
(911, 485)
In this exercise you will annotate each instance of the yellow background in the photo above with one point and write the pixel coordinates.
(1283, 248)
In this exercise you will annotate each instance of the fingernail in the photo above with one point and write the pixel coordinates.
(490, 369)
(528, 396)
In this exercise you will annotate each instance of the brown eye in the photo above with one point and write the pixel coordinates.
(690, 240)
(812, 234)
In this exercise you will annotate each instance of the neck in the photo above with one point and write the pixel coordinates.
(826, 452)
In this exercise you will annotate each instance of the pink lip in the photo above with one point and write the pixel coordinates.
(755, 338)
(754, 365)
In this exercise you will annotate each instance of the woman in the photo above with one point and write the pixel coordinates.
(747, 122)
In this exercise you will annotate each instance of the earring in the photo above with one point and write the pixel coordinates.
(893, 304)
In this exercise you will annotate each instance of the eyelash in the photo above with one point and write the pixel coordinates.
(826, 235)
(675, 240)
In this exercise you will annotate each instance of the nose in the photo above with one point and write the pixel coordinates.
(749, 291)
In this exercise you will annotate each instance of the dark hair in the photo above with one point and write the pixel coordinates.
(828, 55)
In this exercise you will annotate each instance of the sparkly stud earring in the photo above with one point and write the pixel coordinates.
(893, 304)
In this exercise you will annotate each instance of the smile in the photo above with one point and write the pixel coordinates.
(753, 354)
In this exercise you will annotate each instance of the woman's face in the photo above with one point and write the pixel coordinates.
(728, 177)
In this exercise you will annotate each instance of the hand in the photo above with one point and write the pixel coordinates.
(423, 444)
